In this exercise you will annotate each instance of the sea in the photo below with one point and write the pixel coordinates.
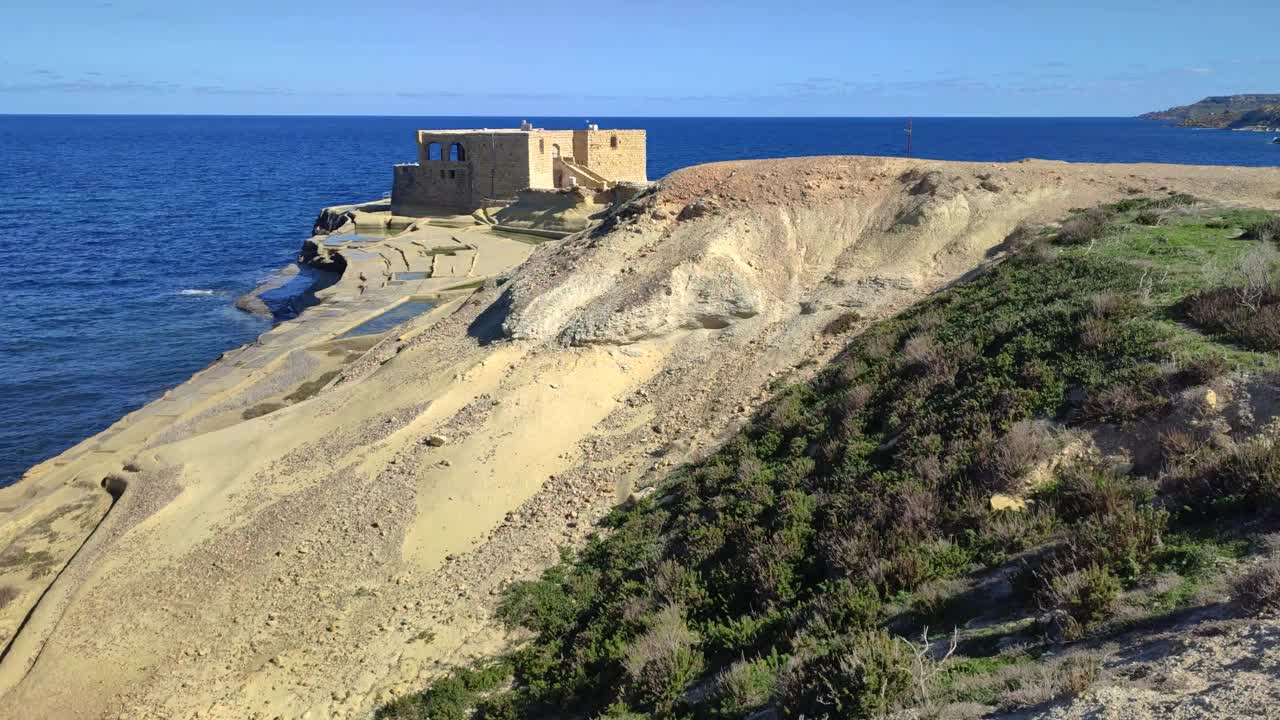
(125, 240)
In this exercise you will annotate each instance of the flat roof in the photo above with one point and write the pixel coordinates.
(506, 131)
(476, 130)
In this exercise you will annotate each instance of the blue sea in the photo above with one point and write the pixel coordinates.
(127, 239)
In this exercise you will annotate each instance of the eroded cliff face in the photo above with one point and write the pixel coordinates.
(331, 554)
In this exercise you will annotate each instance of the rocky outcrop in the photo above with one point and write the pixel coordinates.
(1257, 111)
(253, 305)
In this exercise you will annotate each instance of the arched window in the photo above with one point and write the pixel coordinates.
(555, 151)
(613, 141)
(457, 153)
(433, 151)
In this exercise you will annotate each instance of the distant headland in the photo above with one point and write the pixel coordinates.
(1259, 112)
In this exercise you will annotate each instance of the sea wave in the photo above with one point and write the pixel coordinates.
(197, 291)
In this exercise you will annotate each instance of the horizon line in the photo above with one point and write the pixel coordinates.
(585, 117)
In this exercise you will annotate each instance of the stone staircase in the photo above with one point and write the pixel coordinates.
(584, 175)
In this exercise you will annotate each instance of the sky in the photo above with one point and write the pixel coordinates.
(650, 58)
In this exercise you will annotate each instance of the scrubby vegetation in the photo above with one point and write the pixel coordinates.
(1258, 590)
(789, 568)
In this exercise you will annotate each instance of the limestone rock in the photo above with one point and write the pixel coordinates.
(254, 305)
(1000, 501)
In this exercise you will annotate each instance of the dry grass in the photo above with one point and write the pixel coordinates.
(1266, 231)
(1258, 590)
(1032, 684)
(1025, 445)
(663, 661)
(1084, 228)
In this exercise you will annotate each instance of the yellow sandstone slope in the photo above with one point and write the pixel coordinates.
(318, 560)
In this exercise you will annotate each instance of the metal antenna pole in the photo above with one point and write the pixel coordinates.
(909, 133)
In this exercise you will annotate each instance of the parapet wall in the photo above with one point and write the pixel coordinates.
(419, 190)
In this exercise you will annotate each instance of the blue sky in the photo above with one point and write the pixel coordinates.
(655, 57)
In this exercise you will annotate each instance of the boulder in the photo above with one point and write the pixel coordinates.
(1000, 501)
(254, 305)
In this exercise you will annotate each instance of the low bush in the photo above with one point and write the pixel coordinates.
(1247, 309)
(1084, 227)
(1077, 599)
(1200, 370)
(1220, 481)
(1173, 200)
(1258, 590)
(1021, 685)
(1084, 490)
(663, 661)
(1122, 402)
(842, 323)
(1267, 230)
(923, 354)
(746, 685)
(1026, 239)
(1122, 540)
(1225, 310)
(1148, 217)
(865, 675)
(454, 697)
(1026, 444)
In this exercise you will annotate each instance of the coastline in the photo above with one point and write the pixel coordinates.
(362, 531)
(61, 502)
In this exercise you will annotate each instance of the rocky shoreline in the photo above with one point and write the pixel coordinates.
(324, 520)
(1256, 113)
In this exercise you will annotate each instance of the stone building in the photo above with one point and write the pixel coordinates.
(461, 170)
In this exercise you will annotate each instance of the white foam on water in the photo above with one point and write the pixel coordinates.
(196, 291)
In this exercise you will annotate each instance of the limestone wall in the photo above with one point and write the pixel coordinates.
(541, 143)
(615, 154)
(500, 163)
(493, 164)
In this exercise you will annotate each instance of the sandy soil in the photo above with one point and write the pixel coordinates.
(323, 558)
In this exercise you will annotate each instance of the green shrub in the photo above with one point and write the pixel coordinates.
(1078, 599)
(1200, 370)
(1267, 230)
(1025, 445)
(1084, 228)
(451, 698)
(663, 661)
(1174, 200)
(1122, 540)
(1148, 217)
(1251, 319)
(1121, 402)
(1258, 590)
(746, 685)
(1129, 205)
(739, 634)
(865, 675)
(1084, 490)
(1215, 481)
(842, 323)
